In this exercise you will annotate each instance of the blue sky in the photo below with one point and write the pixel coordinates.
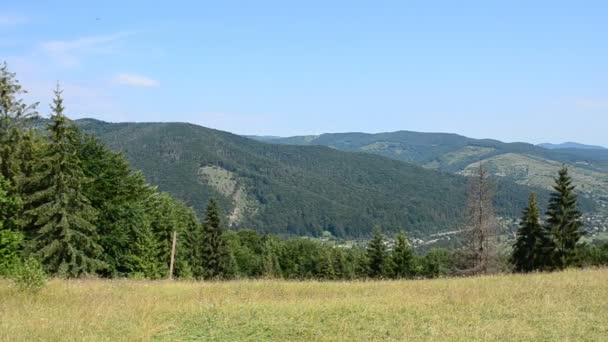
(531, 71)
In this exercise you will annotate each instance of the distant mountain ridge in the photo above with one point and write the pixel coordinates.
(571, 145)
(522, 163)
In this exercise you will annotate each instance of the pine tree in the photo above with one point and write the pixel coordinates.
(64, 237)
(144, 255)
(10, 239)
(376, 255)
(564, 220)
(402, 257)
(214, 250)
(530, 248)
(14, 117)
(121, 197)
(9, 206)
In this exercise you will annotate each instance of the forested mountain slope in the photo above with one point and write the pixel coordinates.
(523, 163)
(300, 190)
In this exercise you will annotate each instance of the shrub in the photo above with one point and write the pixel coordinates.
(10, 245)
(29, 276)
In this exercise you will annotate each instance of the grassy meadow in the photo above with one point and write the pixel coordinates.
(570, 305)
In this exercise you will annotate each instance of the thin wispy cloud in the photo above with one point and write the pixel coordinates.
(134, 80)
(591, 104)
(12, 19)
(70, 53)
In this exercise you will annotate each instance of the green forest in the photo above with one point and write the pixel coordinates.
(72, 207)
(300, 190)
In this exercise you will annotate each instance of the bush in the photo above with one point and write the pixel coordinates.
(10, 245)
(29, 276)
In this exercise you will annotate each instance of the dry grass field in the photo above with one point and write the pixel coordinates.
(566, 306)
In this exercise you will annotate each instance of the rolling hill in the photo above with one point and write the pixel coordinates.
(296, 190)
(571, 145)
(525, 164)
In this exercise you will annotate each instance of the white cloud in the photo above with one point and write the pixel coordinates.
(12, 19)
(69, 53)
(134, 80)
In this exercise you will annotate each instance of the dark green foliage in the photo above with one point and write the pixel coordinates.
(326, 265)
(246, 249)
(9, 206)
(14, 118)
(144, 252)
(532, 248)
(592, 255)
(122, 198)
(215, 253)
(376, 255)
(564, 221)
(402, 257)
(61, 218)
(166, 216)
(436, 263)
(298, 190)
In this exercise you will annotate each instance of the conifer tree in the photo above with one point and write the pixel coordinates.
(564, 220)
(214, 250)
(121, 196)
(10, 239)
(532, 244)
(342, 267)
(402, 257)
(64, 237)
(376, 255)
(8, 206)
(326, 265)
(14, 117)
(144, 257)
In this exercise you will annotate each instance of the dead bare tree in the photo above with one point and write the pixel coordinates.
(481, 230)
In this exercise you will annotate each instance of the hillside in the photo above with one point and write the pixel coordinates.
(523, 163)
(295, 190)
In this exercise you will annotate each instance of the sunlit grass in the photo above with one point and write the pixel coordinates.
(571, 305)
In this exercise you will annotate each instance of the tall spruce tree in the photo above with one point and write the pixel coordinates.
(564, 220)
(121, 197)
(14, 117)
(402, 257)
(10, 239)
(214, 249)
(63, 235)
(376, 255)
(532, 244)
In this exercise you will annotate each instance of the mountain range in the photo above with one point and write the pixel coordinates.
(347, 187)
(522, 163)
